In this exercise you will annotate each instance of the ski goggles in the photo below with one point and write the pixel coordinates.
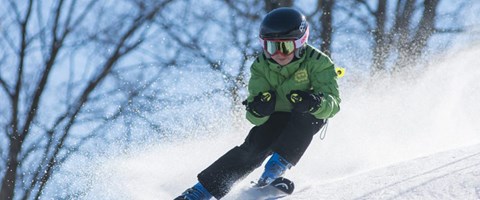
(283, 46)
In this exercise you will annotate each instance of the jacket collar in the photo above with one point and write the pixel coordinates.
(288, 69)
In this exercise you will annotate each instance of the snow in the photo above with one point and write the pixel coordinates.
(393, 139)
(453, 174)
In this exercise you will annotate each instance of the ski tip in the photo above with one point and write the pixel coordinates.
(285, 185)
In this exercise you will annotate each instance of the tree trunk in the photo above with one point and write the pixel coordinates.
(381, 40)
(426, 28)
(402, 32)
(411, 48)
(326, 20)
(9, 180)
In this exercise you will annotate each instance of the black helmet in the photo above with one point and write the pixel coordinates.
(284, 23)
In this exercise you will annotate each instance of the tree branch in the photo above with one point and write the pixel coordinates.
(354, 15)
(82, 15)
(14, 8)
(426, 26)
(9, 40)
(6, 88)
(197, 49)
(365, 4)
(21, 62)
(58, 13)
(232, 5)
(55, 47)
(449, 30)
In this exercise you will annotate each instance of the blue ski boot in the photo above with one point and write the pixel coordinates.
(197, 192)
(275, 168)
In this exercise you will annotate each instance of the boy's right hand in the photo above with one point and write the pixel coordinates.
(262, 105)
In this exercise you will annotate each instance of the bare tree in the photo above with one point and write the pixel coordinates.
(399, 38)
(46, 100)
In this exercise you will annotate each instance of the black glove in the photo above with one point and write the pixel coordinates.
(262, 105)
(304, 102)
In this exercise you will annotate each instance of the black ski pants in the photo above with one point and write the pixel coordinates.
(285, 133)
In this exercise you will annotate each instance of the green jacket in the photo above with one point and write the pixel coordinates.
(313, 71)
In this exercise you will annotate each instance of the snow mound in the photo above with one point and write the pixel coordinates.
(453, 174)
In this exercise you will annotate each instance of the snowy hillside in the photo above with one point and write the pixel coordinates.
(448, 175)
(453, 174)
(384, 144)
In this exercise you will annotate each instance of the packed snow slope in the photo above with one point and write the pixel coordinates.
(414, 137)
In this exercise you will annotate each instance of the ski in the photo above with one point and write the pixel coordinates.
(280, 184)
(284, 185)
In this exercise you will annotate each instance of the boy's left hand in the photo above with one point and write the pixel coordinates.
(304, 102)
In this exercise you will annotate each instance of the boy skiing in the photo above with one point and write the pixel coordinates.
(292, 92)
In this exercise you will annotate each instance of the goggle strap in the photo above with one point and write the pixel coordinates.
(262, 42)
(299, 43)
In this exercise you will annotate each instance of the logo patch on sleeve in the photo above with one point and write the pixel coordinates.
(301, 76)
